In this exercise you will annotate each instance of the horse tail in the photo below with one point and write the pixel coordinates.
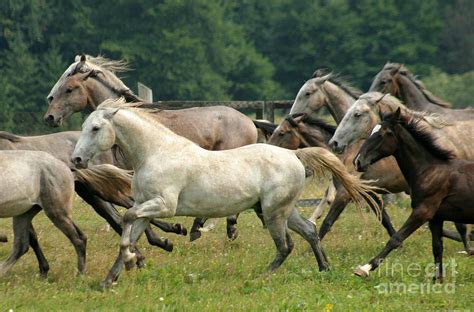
(320, 160)
(108, 182)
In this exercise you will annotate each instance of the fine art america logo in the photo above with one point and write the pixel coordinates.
(419, 272)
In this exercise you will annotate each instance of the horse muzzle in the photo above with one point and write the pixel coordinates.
(79, 162)
(359, 165)
(52, 121)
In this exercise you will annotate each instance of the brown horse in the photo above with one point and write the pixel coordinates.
(397, 80)
(90, 80)
(33, 181)
(442, 186)
(89, 183)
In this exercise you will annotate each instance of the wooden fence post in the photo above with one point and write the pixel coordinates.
(269, 111)
(145, 93)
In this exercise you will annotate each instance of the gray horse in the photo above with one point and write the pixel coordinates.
(32, 181)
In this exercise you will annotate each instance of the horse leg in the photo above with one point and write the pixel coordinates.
(387, 224)
(258, 211)
(154, 208)
(21, 238)
(169, 227)
(106, 211)
(232, 231)
(154, 240)
(307, 230)
(195, 233)
(337, 207)
(279, 232)
(327, 199)
(42, 262)
(62, 221)
(417, 218)
(462, 229)
(436, 228)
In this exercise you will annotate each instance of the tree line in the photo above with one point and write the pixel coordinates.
(230, 50)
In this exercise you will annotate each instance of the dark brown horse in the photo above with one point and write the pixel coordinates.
(442, 187)
(90, 80)
(61, 145)
(400, 82)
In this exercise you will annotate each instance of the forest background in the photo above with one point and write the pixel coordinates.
(230, 50)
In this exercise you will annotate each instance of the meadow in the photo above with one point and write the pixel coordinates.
(214, 274)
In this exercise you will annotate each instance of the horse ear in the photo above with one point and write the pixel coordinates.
(91, 73)
(111, 113)
(397, 113)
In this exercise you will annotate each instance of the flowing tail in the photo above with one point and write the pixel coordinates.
(321, 160)
(108, 182)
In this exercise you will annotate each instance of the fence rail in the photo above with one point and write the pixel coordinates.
(263, 109)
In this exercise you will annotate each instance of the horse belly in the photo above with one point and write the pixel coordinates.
(14, 206)
(215, 201)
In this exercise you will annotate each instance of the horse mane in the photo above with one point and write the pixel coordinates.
(338, 81)
(403, 70)
(377, 98)
(423, 136)
(115, 66)
(9, 136)
(315, 122)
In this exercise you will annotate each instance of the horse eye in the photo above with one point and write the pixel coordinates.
(95, 128)
(68, 90)
(357, 114)
(308, 93)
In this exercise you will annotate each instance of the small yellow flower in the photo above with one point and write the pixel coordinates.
(328, 307)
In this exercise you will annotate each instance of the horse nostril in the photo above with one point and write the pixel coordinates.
(77, 160)
(49, 118)
(50, 99)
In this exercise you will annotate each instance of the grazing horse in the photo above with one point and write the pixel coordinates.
(33, 181)
(175, 177)
(90, 80)
(330, 91)
(397, 80)
(61, 146)
(442, 186)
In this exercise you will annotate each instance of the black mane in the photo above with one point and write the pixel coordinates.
(426, 139)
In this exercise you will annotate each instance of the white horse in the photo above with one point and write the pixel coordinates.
(175, 177)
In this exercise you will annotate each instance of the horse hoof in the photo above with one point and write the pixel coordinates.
(130, 261)
(182, 230)
(141, 262)
(194, 235)
(363, 271)
(233, 234)
(324, 268)
(168, 246)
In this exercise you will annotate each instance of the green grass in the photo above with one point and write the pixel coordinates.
(213, 274)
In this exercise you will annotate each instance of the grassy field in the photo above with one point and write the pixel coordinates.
(213, 274)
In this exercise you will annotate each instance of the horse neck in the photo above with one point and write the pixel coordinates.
(316, 136)
(98, 92)
(338, 100)
(411, 156)
(140, 138)
(414, 98)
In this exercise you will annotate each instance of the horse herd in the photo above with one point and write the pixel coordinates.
(203, 162)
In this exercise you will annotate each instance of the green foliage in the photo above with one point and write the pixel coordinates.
(222, 50)
(456, 89)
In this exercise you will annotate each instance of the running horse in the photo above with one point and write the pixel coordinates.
(33, 181)
(442, 185)
(90, 80)
(175, 177)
